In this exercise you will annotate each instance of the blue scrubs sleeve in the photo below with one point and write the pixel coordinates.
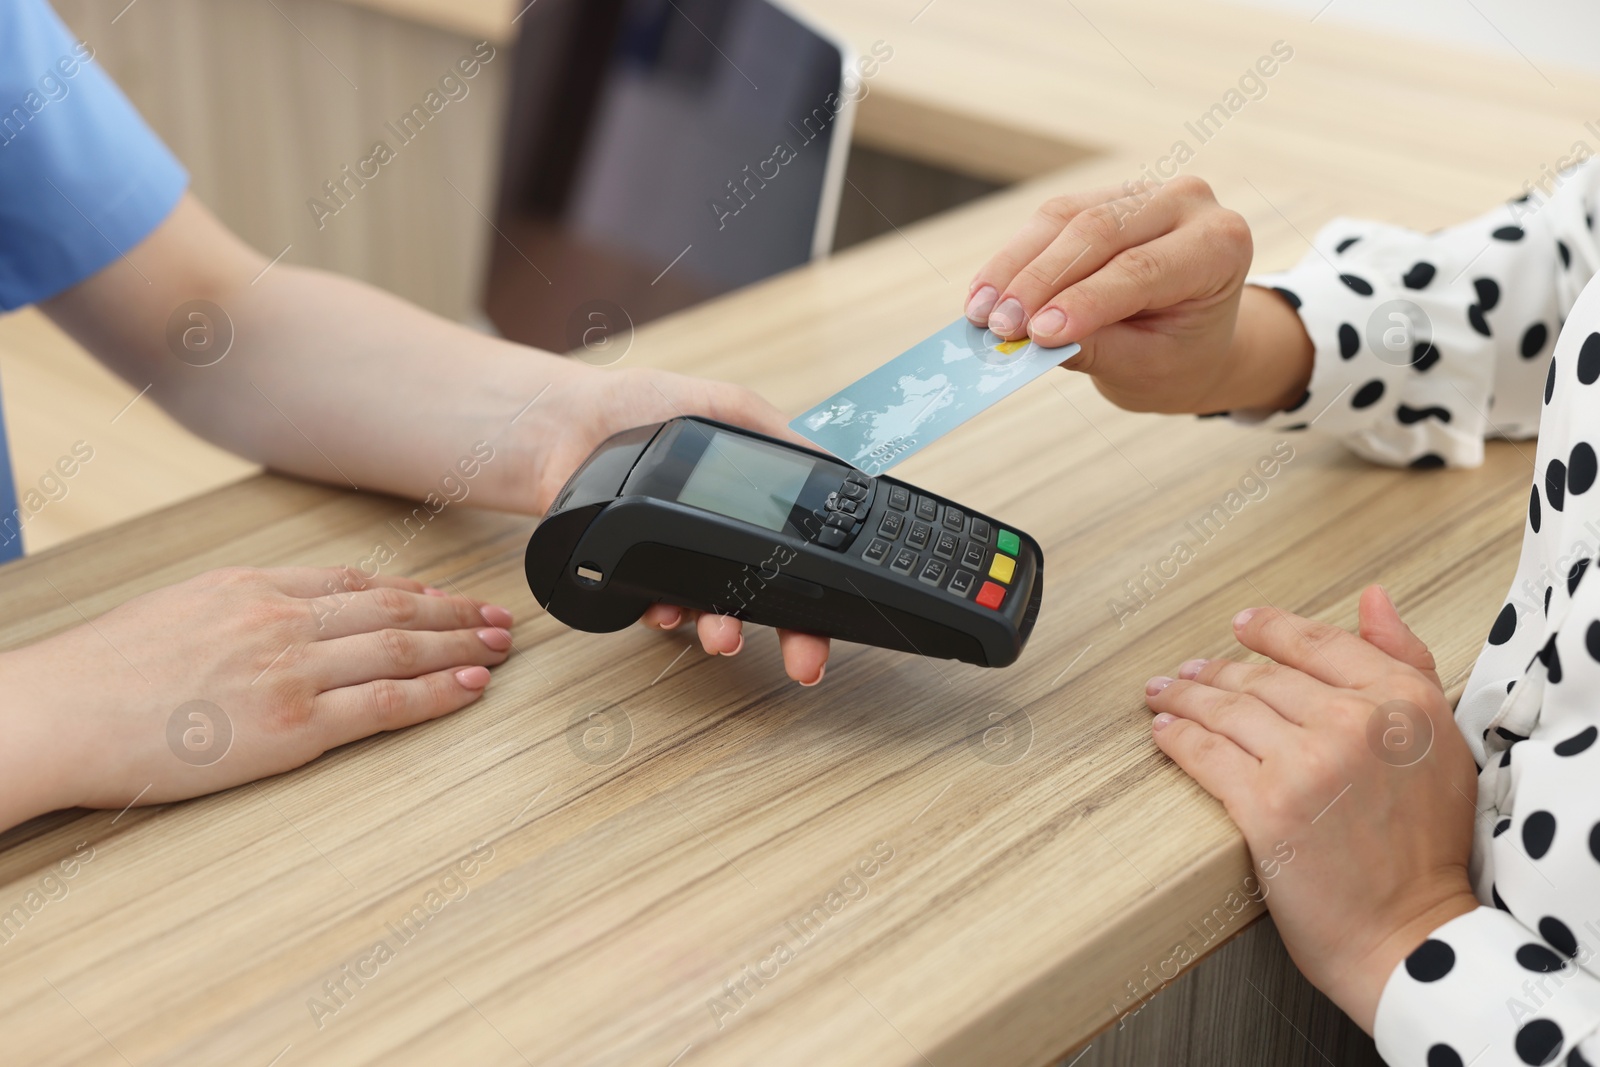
(82, 178)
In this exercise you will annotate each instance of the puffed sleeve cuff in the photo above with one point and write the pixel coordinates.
(1378, 382)
(1487, 991)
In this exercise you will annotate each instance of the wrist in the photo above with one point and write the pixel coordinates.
(1364, 982)
(39, 735)
(1271, 355)
(544, 389)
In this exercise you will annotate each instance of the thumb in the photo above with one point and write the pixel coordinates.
(735, 404)
(1381, 627)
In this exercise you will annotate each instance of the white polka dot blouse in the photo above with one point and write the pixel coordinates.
(1426, 344)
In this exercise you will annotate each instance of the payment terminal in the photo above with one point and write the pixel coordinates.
(716, 518)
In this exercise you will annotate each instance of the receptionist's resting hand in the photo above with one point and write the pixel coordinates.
(231, 676)
(594, 403)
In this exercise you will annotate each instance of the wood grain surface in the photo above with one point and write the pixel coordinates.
(963, 865)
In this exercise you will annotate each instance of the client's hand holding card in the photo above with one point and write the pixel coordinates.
(922, 394)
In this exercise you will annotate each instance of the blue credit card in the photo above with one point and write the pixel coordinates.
(922, 394)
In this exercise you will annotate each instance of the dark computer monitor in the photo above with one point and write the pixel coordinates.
(659, 153)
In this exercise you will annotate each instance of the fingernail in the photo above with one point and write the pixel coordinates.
(496, 638)
(495, 616)
(473, 677)
(1007, 317)
(1190, 670)
(1243, 617)
(431, 591)
(1156, 685)
(1047, 324)
(820, 672)
(734, 651)
(1161, 722)
(1387, 599)
(981, 304)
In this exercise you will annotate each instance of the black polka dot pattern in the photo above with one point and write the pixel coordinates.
(1408, 415)
(1578, 742)
(1430, 961)
(1581, 468)
(1540, 959)
(1478, 322)
(1443, 1055)
(1533, 340)
(1555, 485)
(1357, 284)
(1424, 356)
(1368, 394)
(1420, 274)
(1558, 935)
(1349, 341)
(1539, 1041)
(1538, 831)
(1589, 360)
(1505, 624)
(1552, 659)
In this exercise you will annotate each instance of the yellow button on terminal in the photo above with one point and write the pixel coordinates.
(1002, 568)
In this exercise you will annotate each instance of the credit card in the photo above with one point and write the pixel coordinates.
(922, 394)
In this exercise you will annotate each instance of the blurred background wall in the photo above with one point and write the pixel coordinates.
(1559, 32)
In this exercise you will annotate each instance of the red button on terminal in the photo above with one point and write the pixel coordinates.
(991, 595)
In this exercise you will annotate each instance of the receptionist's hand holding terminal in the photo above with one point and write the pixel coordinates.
(724, 520)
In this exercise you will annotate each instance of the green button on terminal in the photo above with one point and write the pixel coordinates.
(1008, 542)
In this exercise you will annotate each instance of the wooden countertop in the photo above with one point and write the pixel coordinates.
(1014, 890)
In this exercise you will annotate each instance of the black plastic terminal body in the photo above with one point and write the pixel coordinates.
(870, 560)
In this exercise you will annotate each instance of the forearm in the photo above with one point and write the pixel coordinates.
(332, 379)
(325, 377)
